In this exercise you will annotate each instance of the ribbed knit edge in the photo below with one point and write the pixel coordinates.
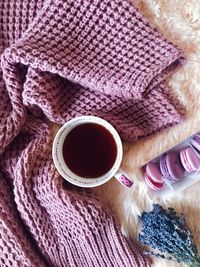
(112, 249)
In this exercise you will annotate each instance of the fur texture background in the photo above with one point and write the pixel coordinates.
(179, 21)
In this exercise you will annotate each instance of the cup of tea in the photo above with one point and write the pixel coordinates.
(87, 152)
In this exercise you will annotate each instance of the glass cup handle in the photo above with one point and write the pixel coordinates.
(123, 178)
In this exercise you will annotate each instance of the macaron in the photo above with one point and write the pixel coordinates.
(189, 159)
(195, 142)
(153, 176)
(171, 167)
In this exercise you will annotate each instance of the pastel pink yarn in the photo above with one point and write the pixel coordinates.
(61, 59)
(45, 222)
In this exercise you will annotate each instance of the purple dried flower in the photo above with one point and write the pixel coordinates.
(165, 231)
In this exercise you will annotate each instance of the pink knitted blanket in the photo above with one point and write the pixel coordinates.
(61, 59)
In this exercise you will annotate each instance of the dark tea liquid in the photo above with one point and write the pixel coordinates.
(89, 150)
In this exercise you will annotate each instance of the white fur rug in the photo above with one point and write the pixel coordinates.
(179, 21)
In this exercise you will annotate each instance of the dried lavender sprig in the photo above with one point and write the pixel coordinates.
(180, 247)
(169, 250)
(167, 247)
(166, 234)
(165, 231)
(164, 248)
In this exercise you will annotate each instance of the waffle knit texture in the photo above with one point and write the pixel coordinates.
(61, 59)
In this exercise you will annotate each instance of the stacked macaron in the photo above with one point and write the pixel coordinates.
(169, 168)
(173, 166)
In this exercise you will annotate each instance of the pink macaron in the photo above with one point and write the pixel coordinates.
(153, 176)
(189, 159)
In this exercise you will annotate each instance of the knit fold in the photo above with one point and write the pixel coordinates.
(104, 46)
(69, 227)
(97, 58)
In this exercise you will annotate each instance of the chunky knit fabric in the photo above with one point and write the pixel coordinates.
(61, 59)
(85, 57)
(44, 222)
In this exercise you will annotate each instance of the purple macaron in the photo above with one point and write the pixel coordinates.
(195, 142)
(171, 167)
